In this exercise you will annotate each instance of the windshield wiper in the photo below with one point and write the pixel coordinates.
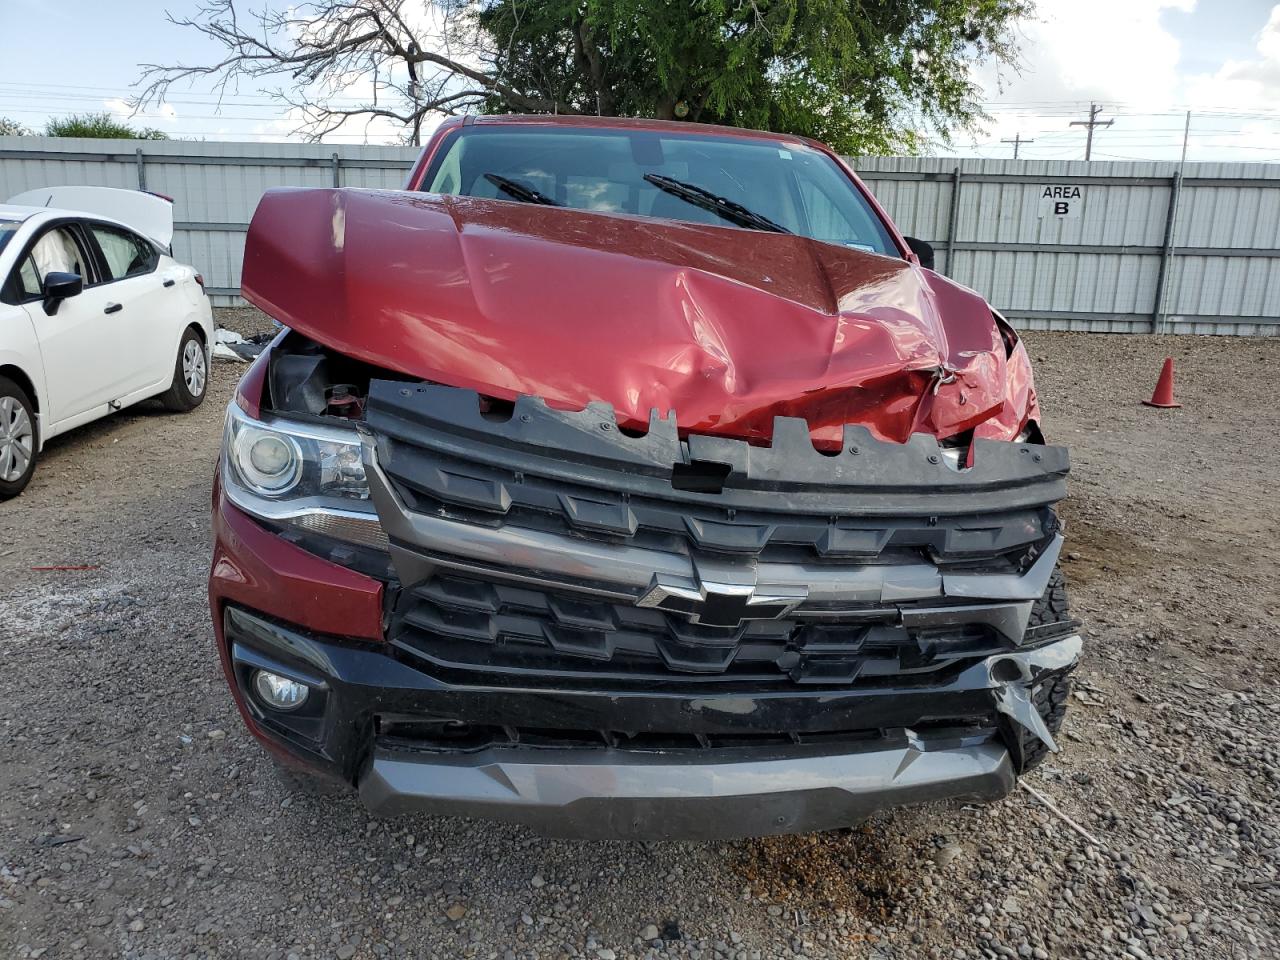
(514, 188)
(723, 207)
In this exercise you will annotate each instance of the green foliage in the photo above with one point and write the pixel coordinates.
(866, 76)
(12, 128)
(99, 125)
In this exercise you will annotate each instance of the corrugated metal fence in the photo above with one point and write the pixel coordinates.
(1142, 248)
(1138, 247)
(215, 186)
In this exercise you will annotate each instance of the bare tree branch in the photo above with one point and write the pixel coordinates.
(341, 60)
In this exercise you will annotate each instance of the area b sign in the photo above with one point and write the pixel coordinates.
(1061, 200)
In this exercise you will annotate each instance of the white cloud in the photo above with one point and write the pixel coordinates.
(165, 114)
(1119, 54)
(1100, 50)
(1075, 52)
(1244, 84)
(346, 92)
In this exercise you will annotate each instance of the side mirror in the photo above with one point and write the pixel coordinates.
(59, 286)
(921, 249)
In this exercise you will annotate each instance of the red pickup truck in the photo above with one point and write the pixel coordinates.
(629, 478)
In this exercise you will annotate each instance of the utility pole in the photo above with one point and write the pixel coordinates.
(1171, 231)
(1092, 122)
(1017, 141)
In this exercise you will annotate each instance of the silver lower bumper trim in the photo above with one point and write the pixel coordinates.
(602, 794)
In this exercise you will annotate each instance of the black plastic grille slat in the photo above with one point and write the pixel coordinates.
(533, 502)
(458, 624)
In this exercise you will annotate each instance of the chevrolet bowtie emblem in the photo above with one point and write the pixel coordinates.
(721, 604)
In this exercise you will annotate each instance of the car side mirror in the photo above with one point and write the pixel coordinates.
(59, 286)
(922, 249)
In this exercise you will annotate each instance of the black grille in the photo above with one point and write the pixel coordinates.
(557, 472)
(432, 484)
(545, 483)
(458, 624)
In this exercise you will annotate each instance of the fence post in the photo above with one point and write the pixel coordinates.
(951, 223)
(337, 170)
(1166, 252)
(142, 170)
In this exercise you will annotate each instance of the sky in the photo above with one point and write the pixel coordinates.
(1146, 62)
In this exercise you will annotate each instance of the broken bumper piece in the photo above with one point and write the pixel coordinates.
(643, 765)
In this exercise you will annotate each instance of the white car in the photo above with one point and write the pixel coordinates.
(95, 315)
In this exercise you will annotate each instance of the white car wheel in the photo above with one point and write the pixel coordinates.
(18, 439)
(190, 374)
(194, 369)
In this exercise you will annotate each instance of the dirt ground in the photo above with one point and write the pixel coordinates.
(139, 820)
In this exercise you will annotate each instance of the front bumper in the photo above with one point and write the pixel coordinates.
(596, 795)
(694, 766)
(521, 655)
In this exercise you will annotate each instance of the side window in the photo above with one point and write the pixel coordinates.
(28, 281)
(127, 255)
(56, 252)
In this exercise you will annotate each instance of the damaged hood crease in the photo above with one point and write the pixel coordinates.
(726, 327)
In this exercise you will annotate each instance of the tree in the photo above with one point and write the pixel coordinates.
(12, 128)
(99, 125)
(859, 75)
(864, 75)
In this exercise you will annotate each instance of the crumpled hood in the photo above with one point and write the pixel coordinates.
(729, 328)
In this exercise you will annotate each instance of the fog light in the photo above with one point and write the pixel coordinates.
(277, 692)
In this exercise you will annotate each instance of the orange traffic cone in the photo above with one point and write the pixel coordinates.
(1163, 397)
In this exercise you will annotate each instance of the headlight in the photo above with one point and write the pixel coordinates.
(269, 463)
(957, 455)
(307, 476)
(285, 461)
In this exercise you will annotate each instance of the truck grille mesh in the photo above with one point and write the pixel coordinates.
(458, 624)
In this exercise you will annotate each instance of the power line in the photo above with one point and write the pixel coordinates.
(146, 118)
(27, 95)
(1215, 131)
(1045, 107)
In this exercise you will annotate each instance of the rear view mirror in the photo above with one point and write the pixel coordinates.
(58, 287)
(922, 249)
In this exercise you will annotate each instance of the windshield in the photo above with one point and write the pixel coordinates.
(799, 189)
(7, 229)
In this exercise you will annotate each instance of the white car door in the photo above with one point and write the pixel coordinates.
(84, 364)
(151, 306)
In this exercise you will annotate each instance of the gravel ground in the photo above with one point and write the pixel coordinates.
(137, 818)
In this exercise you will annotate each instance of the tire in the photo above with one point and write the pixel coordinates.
(190, 375)
(19, 439)
(1052, 693)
